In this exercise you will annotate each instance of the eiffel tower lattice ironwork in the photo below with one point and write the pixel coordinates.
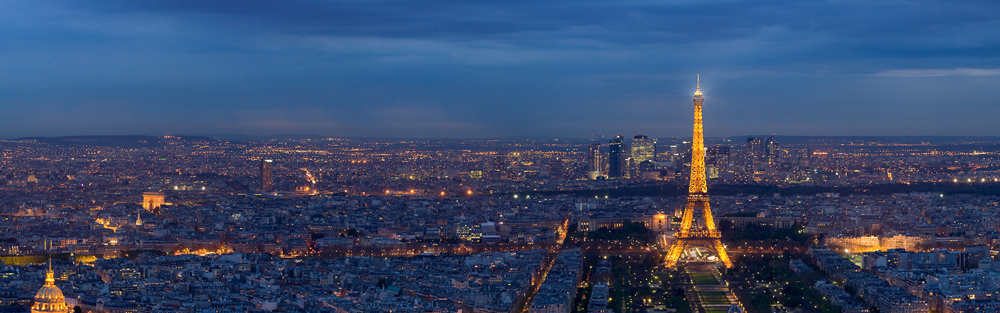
(697, 200)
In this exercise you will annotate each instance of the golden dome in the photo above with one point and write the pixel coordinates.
(49, 298)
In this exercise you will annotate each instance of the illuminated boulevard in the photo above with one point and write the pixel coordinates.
(538, 280)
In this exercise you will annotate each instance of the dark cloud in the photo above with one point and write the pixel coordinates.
(494, 68)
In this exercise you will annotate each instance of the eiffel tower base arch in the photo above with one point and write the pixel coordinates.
(681, 244)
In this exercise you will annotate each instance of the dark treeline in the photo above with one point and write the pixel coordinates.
(673, 190)
(630, 231)
(732, 233)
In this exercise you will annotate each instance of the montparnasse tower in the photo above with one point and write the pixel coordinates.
(49, 298)
(697, 200)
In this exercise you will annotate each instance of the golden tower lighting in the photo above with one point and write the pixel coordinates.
(697, 200)
(49, 298)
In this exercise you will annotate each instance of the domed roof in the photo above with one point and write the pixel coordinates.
(49, 298)
(735, 308)
(49, 293)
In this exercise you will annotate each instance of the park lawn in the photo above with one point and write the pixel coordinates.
(703, 279)
(713, 297)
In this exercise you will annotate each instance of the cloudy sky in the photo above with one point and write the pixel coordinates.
(468, 68)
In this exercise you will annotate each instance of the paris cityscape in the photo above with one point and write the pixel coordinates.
(474, 157)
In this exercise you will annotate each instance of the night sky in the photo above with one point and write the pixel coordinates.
(465, 68)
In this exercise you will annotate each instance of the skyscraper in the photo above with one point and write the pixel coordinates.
(755, 147)
(772, 151)
(675, 154)
(762, 154)
(680, 154)
(556, 169)
(615, 157)
(643, 149)
(628, 167)
(499, 167)
(755, 156)
(594, 159)
(718, 156)
(266, 183)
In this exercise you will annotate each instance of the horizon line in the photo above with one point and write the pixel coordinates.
(535, 137)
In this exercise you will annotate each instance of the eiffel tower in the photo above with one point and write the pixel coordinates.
(697, 200)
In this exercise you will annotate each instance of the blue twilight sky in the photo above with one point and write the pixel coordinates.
(469, 68)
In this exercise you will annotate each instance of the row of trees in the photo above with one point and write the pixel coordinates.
(732, 233)
(676, 189)
(752, 274)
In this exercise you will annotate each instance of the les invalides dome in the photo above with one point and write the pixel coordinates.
(49, 298)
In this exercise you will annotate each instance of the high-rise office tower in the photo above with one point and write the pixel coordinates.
(805, 157)
(680, 154)
(718, 156)
(697, 200)
(596, 162)
(643, 149)
(266, 182)
(499, 167)
(628, 168)
(643, 154)
(762, 153)
(755, 155)
(755, 147)
(615, 157)
(595, 159)
(556, 169)
(772, 151)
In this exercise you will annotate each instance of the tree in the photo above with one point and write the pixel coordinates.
(791, 302)
(351, 232)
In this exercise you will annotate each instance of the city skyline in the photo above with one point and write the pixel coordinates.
(334, 225)
(306, 156)
(482, 70)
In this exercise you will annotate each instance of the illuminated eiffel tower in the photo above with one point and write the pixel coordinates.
(697, 200)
